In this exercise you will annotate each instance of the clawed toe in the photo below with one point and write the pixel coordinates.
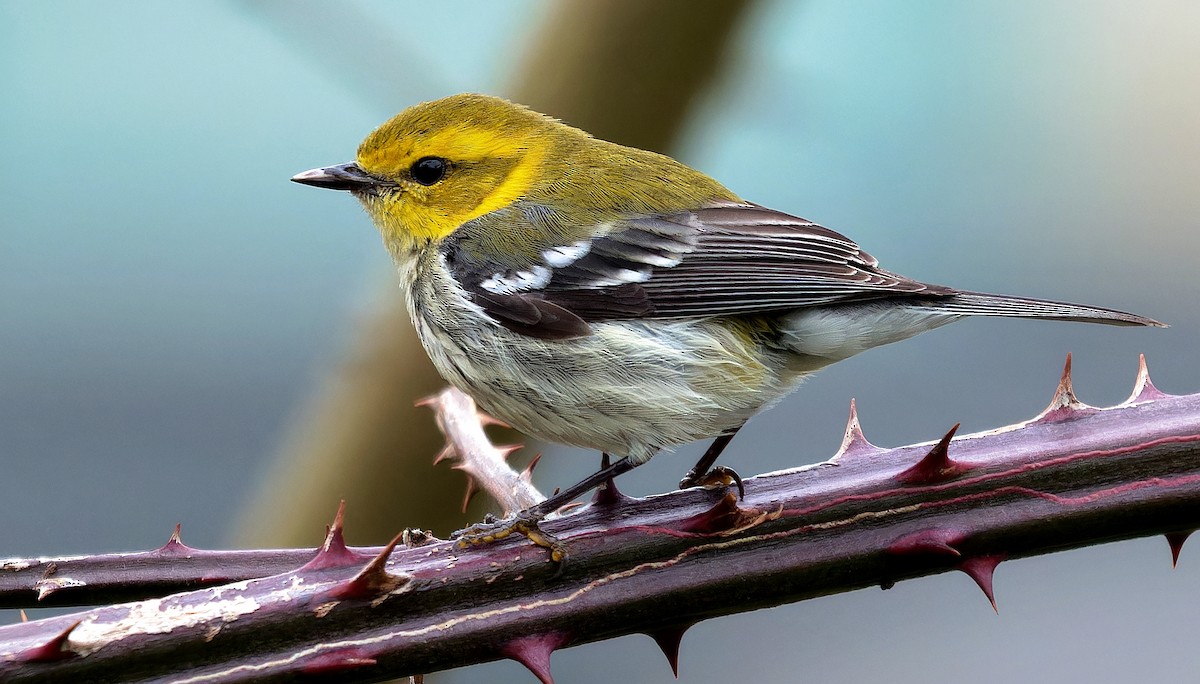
(524, 523)
(717, 476)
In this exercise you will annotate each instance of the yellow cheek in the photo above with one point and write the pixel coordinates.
(419, 215)
(405, 223)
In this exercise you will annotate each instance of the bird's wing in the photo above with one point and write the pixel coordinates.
(732, 259)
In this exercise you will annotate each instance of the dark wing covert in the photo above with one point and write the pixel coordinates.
(734, 259)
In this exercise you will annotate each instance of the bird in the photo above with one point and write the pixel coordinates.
(608, 297)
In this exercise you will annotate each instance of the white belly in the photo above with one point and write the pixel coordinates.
(628, 389)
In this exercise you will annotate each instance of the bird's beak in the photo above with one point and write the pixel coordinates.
(348, 176)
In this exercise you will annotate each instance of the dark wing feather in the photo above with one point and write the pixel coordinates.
(723, 260)
(532, 315)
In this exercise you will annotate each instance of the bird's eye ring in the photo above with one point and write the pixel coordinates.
(429, 170)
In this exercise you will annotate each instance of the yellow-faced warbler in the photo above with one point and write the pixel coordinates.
(609, 297)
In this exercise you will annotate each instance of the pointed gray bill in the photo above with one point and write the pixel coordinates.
(348, 176)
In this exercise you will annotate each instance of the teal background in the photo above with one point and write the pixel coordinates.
(167, 298)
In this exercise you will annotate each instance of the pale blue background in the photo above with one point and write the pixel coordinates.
(167, 298)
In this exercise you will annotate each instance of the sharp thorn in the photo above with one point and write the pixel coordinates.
(1064, 404)
(936, 466)
(174, 545)
(981, 569)
(472, 489)
(339, 518)
(378, 565)
(1064, 394)
(373, 581)
(447, 452)
(935, 541)
(24, 617)
(333, 552)
(55, 649)
(607, 494)
(487, 419)
(721, 516)
(1176, 540)
(854, 442)
(508, 450)
(1143, 389)
(534, 652)
(527, 474)
(668, 641)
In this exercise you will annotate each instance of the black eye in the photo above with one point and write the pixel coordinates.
(428, 170)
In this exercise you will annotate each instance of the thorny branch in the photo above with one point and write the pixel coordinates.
(175, 567)
(484, 463)
(1073, 476)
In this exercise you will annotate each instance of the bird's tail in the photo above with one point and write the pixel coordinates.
(982, 304)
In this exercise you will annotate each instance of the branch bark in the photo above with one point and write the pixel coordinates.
(1073, 476)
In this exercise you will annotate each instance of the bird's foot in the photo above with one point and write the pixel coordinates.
(717, 476)
(524, 523)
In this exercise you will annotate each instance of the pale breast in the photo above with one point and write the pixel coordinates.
(629, 389)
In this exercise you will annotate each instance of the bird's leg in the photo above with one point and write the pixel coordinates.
(704, 474)
(607, 472)
(607, 493)
(526, 522)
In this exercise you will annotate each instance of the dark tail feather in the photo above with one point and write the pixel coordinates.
(981, 304)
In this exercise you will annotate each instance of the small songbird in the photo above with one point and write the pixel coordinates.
(608, 297)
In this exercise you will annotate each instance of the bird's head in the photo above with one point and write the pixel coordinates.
(439, 164)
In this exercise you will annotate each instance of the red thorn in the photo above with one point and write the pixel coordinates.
(472, 490)
(174, 545)
(936, 466)
(488, 419)
(447, 452)
(723, 515)
(1143, 389)
(373, 581)
(1176, 540)
(1064, 394)
(607, 493)
(981, 569)
(333, 552)
(340, 660)
(935, 541)
(534, 652)
(854, 443)
(668, 641)
(24, 617)
(339, 518)
(430, 400)
(508, 450)
(1065, 404)
(527, 474)
(569, 507)
(55, 649)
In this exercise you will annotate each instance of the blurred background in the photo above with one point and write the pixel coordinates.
(187, 337)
